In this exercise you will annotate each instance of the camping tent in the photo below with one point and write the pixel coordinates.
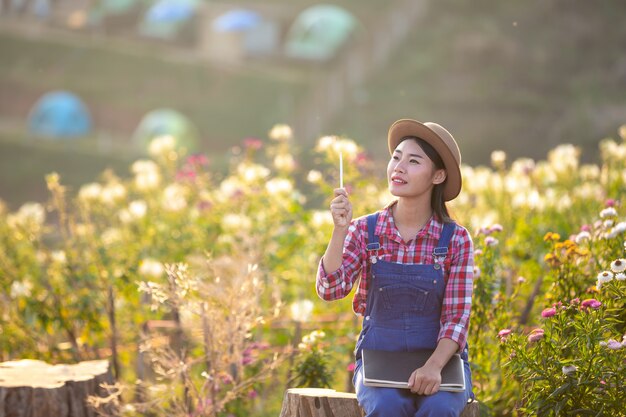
(319, 31)
(166, 122)
(59, 115)
(165, 19)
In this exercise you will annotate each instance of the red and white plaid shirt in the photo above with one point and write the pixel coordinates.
(458, 268)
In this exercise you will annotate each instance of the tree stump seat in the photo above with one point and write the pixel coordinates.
(36, 389)
(318, 402)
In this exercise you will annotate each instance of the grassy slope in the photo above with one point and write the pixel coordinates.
(519, 76)
(516, 76)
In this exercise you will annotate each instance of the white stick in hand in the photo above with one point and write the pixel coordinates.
(340, 169)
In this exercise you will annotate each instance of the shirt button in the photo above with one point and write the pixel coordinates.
(367, 317)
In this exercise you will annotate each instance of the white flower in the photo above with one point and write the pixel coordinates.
(582, 237)
(174, 198)
(151, 268)
(476, 271)
(569, 369)
(284, 162)
(618, 265)
(325, 142)
(111, 236)
(619, 228)
(314, 176)
(523, 166)
(58, 256)
(301, 310)
(590, 172)
(90, 192)
(144, 165)
(29, 214)
(321, 217)
(21, 289)
(564, 158)
(347, 147)
(162, 145)
(250, 173)
(605, 276)
(229, 187)
(147, 176)
(620, 276)
(278, 186)
(236, 222)
(138, 209)
(112, 193)
(608, 212)
(281, 133)
(498, 158)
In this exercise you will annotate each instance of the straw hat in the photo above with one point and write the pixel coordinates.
(441, 140)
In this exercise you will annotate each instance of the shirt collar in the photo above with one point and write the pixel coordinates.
(386, 227)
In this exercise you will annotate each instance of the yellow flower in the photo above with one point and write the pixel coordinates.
(551, 236)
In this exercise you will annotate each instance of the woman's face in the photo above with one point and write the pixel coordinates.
(411, 173)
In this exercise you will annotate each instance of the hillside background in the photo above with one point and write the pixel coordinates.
(516, 76)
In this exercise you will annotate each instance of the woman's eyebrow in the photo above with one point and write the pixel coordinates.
(411, 154)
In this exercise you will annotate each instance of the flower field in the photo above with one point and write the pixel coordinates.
(199, 285)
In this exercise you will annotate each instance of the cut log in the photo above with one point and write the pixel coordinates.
(37, 389)
(318, 402)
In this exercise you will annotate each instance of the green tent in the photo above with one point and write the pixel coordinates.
(166, 122)
(319, 31)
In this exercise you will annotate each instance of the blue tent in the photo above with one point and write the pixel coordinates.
(236, 20)
(59, 115)
(166, 18)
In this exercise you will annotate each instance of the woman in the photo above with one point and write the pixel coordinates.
(416, 268)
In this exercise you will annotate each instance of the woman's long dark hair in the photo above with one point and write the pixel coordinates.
(437, 202)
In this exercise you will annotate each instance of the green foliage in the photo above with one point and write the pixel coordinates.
(312, 369)
(217, 258)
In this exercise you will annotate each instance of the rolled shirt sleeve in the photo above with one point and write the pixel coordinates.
(457, 302)
(338, 284)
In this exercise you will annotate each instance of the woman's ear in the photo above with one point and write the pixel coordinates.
(440, 176)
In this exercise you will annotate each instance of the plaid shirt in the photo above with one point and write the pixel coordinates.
(458, 268)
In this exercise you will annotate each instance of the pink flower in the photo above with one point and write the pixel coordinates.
(496, 228)
(252, 394)
(503, 334)
(575, 301)
(548, 312)
(613, 344)
(591, 302)
(351, 367)
(491, 241)
(197, 159)
(585, 228)
(535, 335)
(610, 203)
(252, 143)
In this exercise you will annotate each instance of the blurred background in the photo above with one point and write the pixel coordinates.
(85, 84)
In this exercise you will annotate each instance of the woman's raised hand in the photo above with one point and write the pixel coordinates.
(341, 209)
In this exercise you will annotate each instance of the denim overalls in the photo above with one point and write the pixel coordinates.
(403, 313)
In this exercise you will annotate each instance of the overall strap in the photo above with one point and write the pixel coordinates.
(373, 242)
(441, 251)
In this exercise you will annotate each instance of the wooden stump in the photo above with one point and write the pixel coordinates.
(37, 389)
(317, 402)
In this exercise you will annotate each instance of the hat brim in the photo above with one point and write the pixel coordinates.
(408, 127)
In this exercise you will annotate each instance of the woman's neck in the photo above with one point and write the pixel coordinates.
(412, 212)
